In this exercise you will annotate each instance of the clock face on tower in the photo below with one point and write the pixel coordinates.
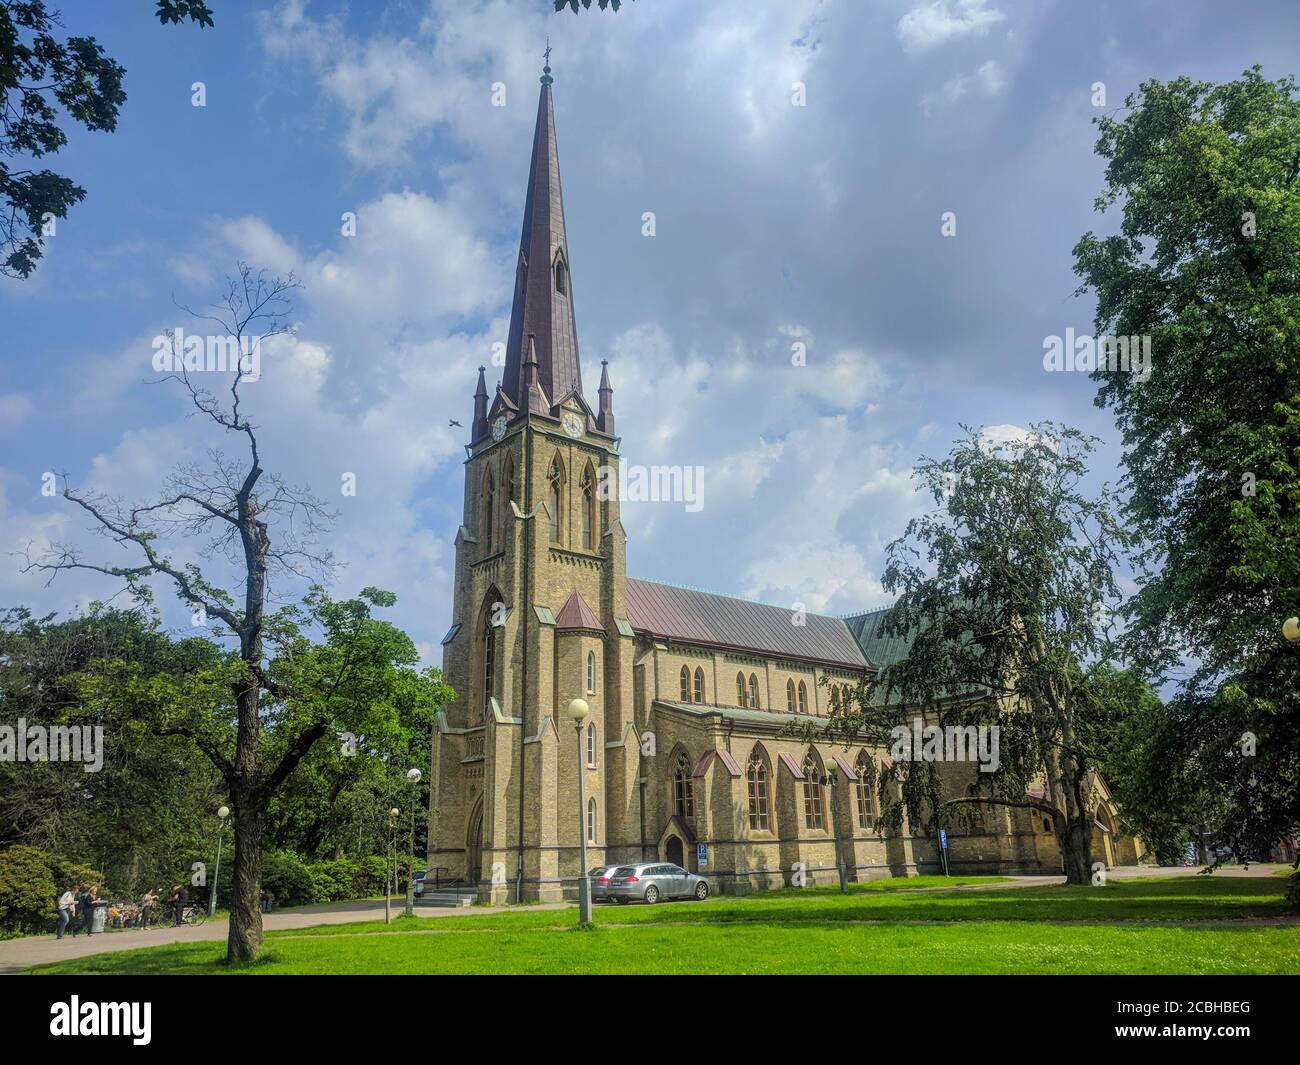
(499, 427)
(573, 423)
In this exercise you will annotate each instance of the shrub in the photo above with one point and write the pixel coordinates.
(27, 891)
(287, 878)
(372, 871)
(333, 880)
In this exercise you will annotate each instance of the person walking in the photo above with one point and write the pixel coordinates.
(88, 901)
(66, 903)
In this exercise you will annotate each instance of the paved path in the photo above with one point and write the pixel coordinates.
(19, 954)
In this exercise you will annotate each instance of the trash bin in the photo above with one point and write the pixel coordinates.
(97, 918)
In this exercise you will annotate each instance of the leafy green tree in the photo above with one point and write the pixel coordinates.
(1004, 592)
(1159, 797)
(39, 74)
(1207, 263)
(147, 812)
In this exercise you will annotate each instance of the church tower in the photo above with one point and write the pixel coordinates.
(540, 600)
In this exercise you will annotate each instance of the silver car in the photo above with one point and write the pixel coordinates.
(652, 881)
(600, 877)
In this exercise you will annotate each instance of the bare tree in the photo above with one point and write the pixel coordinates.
(228, 508)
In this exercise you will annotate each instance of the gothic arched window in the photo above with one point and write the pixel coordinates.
(683, 789)
(591, 820)
(686, 684)
(509, 482)
(865, 791)
(561, 280)
(591, 672)
(591, 745)
(489, 510)
(756, 777)
(789, 696)
(588, 510)
(698, 696)
(803, 698)
(812, 793)
(753, 690)
(740, 689)
(554, 478)
(489, 664)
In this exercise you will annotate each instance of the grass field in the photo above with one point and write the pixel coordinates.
(1181, 925)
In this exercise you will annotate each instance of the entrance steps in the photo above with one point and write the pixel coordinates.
(456, 895)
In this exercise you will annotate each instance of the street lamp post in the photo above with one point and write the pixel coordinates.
(389, 864)
(222, 813)
(833, 780)
(413, 775)
(578, 711)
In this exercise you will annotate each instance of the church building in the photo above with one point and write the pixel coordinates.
(682, 756)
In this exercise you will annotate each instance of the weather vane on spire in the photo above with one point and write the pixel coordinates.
(546, 70)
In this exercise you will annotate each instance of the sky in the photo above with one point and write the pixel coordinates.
(799, 158)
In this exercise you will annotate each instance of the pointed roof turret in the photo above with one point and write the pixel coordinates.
(605, 418)
(543, 300)
(480, 426)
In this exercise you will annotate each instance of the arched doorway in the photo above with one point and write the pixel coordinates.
(673, 851)
(474, 845)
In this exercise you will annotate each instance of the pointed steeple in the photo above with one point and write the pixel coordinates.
(543, 301)
(605, 417)
(480, 427)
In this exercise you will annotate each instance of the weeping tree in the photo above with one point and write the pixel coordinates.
(294, 675)
(1004, 595)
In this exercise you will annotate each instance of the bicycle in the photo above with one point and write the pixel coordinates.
(194, 915)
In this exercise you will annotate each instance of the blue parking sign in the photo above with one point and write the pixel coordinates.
(943, 839)
(702, 855)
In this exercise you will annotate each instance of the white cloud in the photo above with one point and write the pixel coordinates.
(937, 23)
(988, 81)
(15, 409)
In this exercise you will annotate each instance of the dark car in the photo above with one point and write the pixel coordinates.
(600, 882)
(652, 881)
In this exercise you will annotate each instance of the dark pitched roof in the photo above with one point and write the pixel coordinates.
(576, 614)
(881, 651)
(539, 310)
(690, 616)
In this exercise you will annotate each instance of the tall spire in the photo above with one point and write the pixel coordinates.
(543, 301)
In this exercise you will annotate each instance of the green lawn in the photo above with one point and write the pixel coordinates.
(1120, 928)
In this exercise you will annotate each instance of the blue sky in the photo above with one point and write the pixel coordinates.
(774, 224)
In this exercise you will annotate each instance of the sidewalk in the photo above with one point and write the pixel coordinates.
(19, 954)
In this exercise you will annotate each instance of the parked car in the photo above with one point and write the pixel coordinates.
(417, 880)
(600, 882)
(652, 881)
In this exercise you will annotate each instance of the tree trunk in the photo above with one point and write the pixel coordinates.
(245, 939)
(1074, 837)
